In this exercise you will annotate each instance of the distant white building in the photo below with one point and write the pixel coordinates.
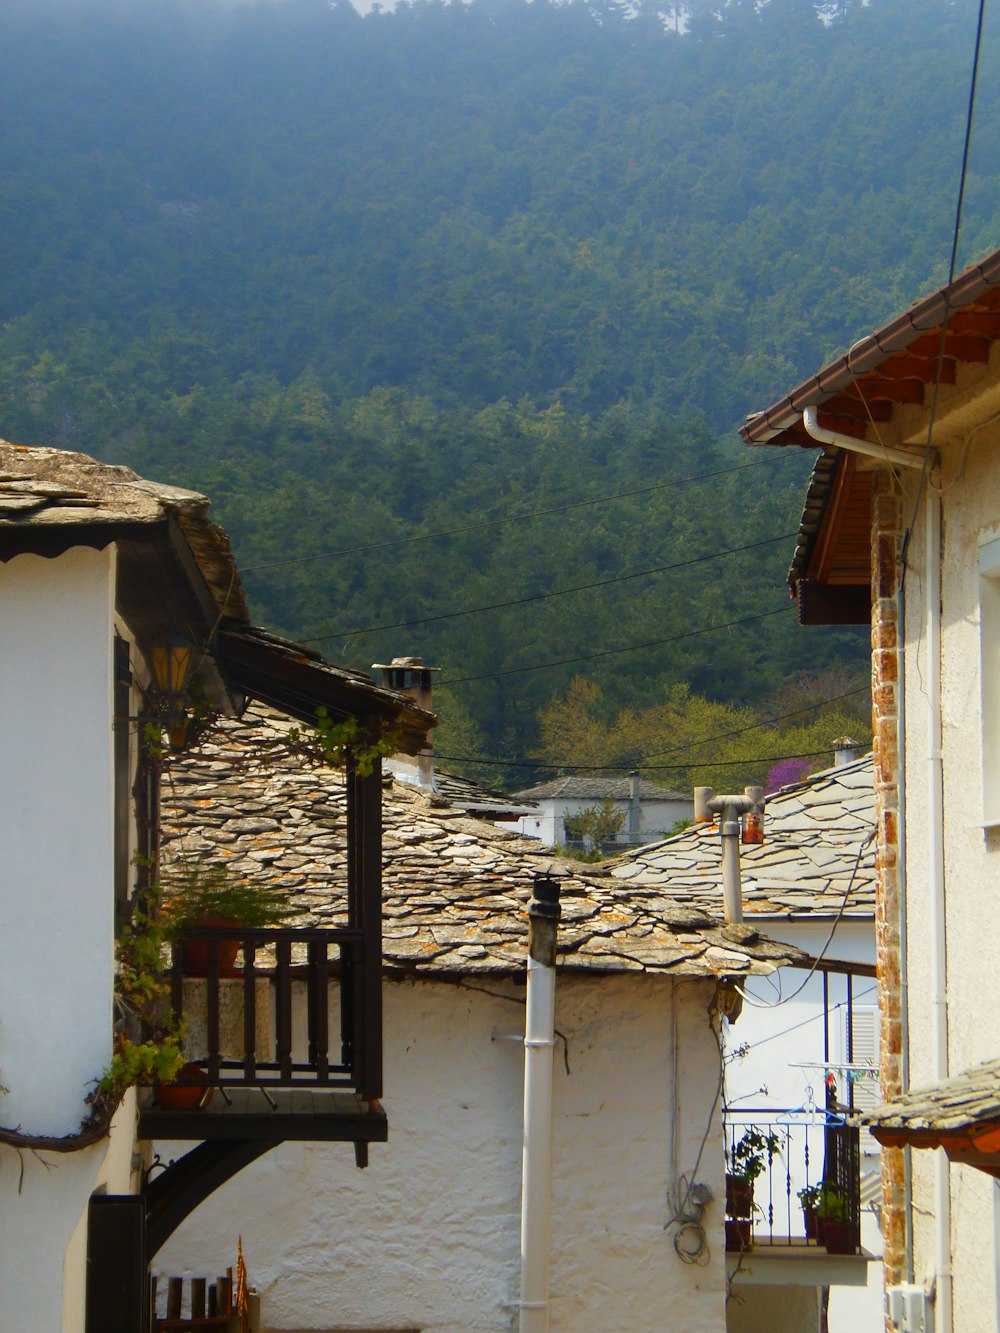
(649, 812)
(800, 1036)
(428, 1237)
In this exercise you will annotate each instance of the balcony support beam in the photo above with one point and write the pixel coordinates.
(186, 1183)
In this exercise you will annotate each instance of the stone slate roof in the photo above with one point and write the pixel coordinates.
(48, 492)
(599, 789)
(454, 889)
(965, 1102)
(51, 500)
(478, 800)
(817, 835)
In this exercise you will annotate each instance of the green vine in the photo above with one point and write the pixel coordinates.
(148, 1035)
(340, 743)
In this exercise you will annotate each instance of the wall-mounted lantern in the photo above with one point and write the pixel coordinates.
(172, 662)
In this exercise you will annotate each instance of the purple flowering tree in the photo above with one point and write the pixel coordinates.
(785, 772)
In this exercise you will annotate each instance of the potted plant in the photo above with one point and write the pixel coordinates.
(809, 1198)
(205, 893)
(833, 1221)
(747, 1160)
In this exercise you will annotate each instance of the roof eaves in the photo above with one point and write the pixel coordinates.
(871, 352)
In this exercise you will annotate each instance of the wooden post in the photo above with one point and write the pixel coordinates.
(198, 1297)
(371, 922)
(175, 1291)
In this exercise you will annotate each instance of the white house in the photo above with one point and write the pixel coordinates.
(902, 527)
(647, 811)
(108, 583)
(810, 883)
(428, 1237)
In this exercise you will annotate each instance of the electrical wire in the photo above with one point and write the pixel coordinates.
(629, 768)
(814, 1018)
(776, 1004)
(952, 262)
(510, 518)
(612, 652)
(547, 596)
(778, 717)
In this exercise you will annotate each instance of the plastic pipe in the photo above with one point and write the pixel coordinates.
(939, 916)
(729, 809)
(732, 886)
(885, 453)
(536, 1156)
(904, 966)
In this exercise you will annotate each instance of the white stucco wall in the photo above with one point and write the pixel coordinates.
(56, 837)
(972, 863)
(56, 906)
(656, 818)
(785, 1050)
(428, 1236)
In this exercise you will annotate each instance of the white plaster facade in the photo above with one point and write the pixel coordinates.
(657, 818)
(970, 502)
(783, 1069)
(57, 908)
(428, 1236)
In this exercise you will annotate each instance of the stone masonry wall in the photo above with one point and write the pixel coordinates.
(886, 539)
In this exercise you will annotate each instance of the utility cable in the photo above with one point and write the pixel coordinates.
(751, 1046)
(952, 263)
(612, 652)
(509, 518)
(777, 1004)
(547, 596)
(755, 726)
(629, 768)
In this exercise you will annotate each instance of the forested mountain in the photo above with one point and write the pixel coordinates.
(364, 279)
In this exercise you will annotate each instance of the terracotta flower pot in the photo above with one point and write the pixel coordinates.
(739, 1197)
(838, 1237)
(192, 1094)
(739, 1235)
(810, 1219)
(197, 953)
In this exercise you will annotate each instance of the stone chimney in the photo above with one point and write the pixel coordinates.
(410, 676)
(845, 751)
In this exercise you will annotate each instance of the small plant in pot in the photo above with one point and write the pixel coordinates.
(809, 1198)
(834, 1226)
(205, 893)
(747, 1160)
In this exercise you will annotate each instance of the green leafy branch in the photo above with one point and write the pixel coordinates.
(340, 743)
(148, 1035)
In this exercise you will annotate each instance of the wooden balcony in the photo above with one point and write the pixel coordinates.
(284, 1028)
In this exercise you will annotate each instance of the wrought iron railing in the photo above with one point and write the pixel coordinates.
(801, 1150)
(279, 1007)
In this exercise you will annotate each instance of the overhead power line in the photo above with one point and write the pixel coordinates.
(952, 263)
(512, 518)
(764, 722)
(547, 596)
(629, 768)
(611, 652)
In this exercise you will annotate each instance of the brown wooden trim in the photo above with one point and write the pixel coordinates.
(876, 387)
(829, 534)
(839, 604)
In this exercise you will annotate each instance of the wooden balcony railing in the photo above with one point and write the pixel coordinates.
(296, 1008)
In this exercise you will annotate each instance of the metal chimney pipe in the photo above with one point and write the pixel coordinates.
(536, 1160)
(729, 809)
(634, 807)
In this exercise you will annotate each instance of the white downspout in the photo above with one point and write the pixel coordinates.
(885, 453)
(939, 919)
(536, 1159)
